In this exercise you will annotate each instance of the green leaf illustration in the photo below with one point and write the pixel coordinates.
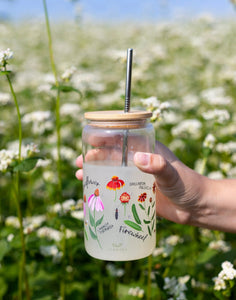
(135, 214)
(141, 206)
(149, 231)
(153, 223)
(133, 225)
(99, 222)
(153, 215)
(93, 235)
(149, 210)
(146, 221)
(85, 234)
(91, 219)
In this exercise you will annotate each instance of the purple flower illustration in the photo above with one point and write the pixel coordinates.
(95, 202)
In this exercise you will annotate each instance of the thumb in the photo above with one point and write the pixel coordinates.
(165, 174)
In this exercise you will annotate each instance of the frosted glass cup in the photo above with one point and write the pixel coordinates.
(119, 199)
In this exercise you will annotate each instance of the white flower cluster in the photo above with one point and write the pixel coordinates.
(157, 107)
(67, 153)
(217, 115)
(5, 56)
(41, 121)
(176, 287)
(167, 245)
(53, 251)
(219, 245)
(216, 96)
(186, 128)
(67, 206)
(5, 99)
(66, 76)
(29, 223)
(209, 141)
(228, 148)
(70, 109)
(136, 292)
(226, 274)
(53, 234)
(6, 158)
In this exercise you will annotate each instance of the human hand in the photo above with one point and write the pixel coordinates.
(179, 189)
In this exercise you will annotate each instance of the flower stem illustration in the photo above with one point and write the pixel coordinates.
(95, 204)
(115, 184)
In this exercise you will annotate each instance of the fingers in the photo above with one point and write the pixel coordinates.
(166, 175)
(79, 161)
(79, 174)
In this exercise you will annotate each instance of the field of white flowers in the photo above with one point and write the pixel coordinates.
(185, 72)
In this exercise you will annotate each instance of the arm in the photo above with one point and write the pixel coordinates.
(186, 197)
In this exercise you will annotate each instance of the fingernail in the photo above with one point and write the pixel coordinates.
(142, 159)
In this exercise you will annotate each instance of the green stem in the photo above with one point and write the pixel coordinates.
(62, 283)
(203, 166)
(18, 113)
(22, 269)
(57, 112)
(95, 228)
(149, 283)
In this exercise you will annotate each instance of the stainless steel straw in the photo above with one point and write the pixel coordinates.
(127, 103)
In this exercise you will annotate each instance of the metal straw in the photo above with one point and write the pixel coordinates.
(127, 103)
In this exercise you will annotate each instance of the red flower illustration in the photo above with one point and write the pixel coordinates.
(124, 199)
(142, 197)
(115, 183)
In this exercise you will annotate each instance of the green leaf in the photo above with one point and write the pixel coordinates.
(66, 89)
(135, 214)
(85, 234)
(93, 235)
(149, 231)
(4, 248)
(133, 225)
(2, 73)
(91, 219)
(146, 221)
(99, 222)
(27, 164)
(149, 210)
(141, 206)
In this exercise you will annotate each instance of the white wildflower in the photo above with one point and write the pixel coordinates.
(70, 109)
(12, 221)
(6, 158)
(78, 214)
(217, 115)
(151, 102)
(219, 245)
(173, 240)
(216, 96)
(67, 153)
(114, 271)
(219, 284)
(49, 176)
(158, 251)
(5, 99)
(66, 76)
(228, 272)
(232, 173)
(26, 149)
(228, 148)
(5, 56)
(190, 101)
(50, 233)
(216, 175)
(48, 250)
(186, 128)
(65, 207)
(136, 292)
(41, 121)
(32, 223)
(225, 167)
(176, 287)
(70, 234)
(43, 163)
(69, 269)
(10, 237)
(209, 141)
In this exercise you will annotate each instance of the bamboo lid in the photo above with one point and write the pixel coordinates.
(117, 115)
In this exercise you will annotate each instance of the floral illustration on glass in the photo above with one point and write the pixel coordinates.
(124, 199)
(95, 204)
(149, 211)
(115, 184)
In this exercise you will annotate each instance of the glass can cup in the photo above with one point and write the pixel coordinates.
(119, 199)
